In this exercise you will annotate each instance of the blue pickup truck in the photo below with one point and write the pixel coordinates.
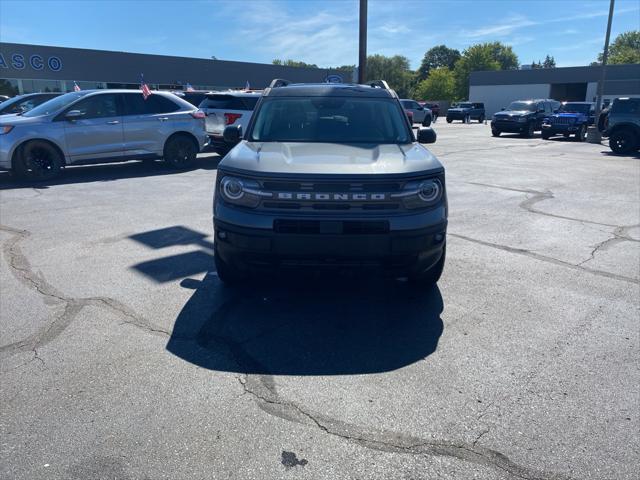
(572, 118)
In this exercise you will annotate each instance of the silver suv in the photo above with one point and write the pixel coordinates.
(313, 182)
(97, 126)
(227, 108)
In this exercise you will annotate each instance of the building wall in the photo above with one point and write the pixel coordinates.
(495, 97)
(39, 67)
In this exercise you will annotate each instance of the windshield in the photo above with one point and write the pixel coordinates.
(464, 105)
(531, 107)
(331, 120)
(575, 108)
(54, 104)
(8, 106)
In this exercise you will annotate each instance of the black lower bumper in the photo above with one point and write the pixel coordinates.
(560, 129)
(510, 127)
(399, 252)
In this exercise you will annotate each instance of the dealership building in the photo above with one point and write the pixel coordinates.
(39, 68)
(498, 88)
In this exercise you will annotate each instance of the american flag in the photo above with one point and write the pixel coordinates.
(76, 87)
(146, 92)
(189, 88)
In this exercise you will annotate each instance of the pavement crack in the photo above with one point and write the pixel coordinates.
(70, 307)
(545, 258)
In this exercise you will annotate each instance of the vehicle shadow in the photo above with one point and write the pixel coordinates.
(307, 324)
(108, 172)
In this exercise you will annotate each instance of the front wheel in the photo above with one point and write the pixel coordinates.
(622, 142)
(546, 135)
(495, 132)
(530, 130)
(481, 119)
(581, 134)
(430, 277)
(449, 120)
(180, 152)
(38, 161)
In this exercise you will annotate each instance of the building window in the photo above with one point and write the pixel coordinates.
(9, 87)
(36, 86)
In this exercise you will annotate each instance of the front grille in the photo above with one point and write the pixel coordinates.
(331, 187)
(319, 227)
(562, 120)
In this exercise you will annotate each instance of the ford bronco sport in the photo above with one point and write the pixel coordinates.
(330, 175)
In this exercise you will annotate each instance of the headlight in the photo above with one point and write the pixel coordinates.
(5, 129)
(242, 192)
(421, 193)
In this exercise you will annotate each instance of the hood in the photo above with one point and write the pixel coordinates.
(331, 159)
(513, 113)
(458, 109)
(568, 115)
(13, 119)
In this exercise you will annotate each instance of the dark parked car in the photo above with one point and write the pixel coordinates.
(466, 111)
(622, 125)
(572, 118)
(24, 103)
(523, 116)
(193, 97)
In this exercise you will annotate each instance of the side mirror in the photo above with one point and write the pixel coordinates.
(73, 115)
(420, 108)
(426, 135)
(427, 120)
(232, 134)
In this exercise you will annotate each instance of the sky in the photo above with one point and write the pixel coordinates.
(320, 32)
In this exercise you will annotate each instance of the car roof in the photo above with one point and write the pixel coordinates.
(328, 90)
(579, 102)
(236, 93)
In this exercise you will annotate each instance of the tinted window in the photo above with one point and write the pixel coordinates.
(522, 106)
(135, 104)
(478, 105)
(464, 105)
(229, 102)
(330, 120)
(631, 105)
(98, 106)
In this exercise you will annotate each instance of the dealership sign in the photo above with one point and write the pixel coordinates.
(19, 61)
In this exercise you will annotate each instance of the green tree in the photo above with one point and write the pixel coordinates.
(483, 56)
(549, 62)
(439, 85)
(395, 70)
(437, 57)
(624, 49)
(293, 63)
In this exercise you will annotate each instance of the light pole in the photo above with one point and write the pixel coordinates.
(362, 56)
(593, 134)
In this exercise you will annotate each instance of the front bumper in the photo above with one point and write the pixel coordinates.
(401, 252)
(509, 126)
(457, 115)
(560, 128)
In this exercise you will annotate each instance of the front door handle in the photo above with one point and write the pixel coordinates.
(113, 122)
(163, 119)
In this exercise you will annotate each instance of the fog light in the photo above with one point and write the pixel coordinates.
(222, 235)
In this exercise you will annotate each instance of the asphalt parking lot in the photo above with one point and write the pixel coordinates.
(123, 356)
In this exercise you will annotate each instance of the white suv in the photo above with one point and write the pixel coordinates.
(223, 109)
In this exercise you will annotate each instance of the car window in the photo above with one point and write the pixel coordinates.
(55, 104)
(135, 104)
(631, 105)
(98, 106)
(229, 102)
(407, 104)
(540, 106)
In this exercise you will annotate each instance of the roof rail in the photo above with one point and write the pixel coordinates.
(279, 82)
(378, 84)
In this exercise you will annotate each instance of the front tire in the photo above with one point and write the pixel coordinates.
(180, 152)
(622, 142)
(546, 135)
(449, 120)
(581, 134)
(430, 277)
(481, 119)
(38, 161)
(529, 132)
(495, 132)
